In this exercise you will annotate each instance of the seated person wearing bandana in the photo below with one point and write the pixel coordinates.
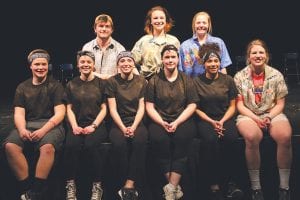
(38, 112)
(216, 124)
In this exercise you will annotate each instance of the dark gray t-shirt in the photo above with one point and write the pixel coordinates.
(215, 95)
(127, 94)
(86, 98)
(39, 100)
(170, 98)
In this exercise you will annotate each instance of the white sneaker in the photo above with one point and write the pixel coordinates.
(97, 191)
(71, 190)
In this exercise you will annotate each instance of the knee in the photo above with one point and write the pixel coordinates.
(11, 148)
(252, 141)
(284, 141)
(47, 150)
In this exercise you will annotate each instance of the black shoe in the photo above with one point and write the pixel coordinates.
(257, 195)
(128, 194)
(216, 195)
(284, 194)
(234, 192)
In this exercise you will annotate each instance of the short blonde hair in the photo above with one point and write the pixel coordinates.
(103, 18)
(208, 19)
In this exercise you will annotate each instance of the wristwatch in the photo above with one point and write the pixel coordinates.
(94, 125)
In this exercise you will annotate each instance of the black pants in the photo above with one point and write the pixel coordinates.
(129, 154)
(90, 144)
(219, 153)
(170, 149)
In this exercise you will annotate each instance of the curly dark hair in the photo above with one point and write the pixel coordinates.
(208, 48)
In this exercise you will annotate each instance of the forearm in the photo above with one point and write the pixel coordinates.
(57, 118)
(187, 113)
(277, 109)
(153, 114)
(117, 119)
(228, 115)
(71, 117)
(230, 111)
(100, 117)
(203, 116)
(246, 111)
(20, 122)
(138, 117)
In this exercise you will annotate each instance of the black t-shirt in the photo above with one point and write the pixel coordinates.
(215, 95)
(86, 98)
(170, 98)
(39, 100)
(127, 94)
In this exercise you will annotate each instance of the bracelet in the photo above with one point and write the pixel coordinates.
(94, 125)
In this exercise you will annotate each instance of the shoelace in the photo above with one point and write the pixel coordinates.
(71, 192)
(96, 192)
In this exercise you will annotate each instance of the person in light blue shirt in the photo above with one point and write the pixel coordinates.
(189, 49)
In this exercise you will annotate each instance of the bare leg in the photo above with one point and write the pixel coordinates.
(281, 132)
(17, 161)
(45, 161)
(253, 136)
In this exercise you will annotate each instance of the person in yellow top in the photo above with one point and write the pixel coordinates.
(147, 49)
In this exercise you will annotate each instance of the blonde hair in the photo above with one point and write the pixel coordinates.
(169, 21)
(208, 19)
(103, 18)
(258, 42)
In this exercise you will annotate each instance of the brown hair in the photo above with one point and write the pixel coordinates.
(148, 26)
(258, 42)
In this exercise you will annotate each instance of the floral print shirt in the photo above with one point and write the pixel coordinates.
(274, 88)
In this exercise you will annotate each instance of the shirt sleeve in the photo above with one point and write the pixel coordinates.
(110, 88)
(149, 94)
(192, 96)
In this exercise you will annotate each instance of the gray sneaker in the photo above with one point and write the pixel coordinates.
(128, 194)
(71, 190)
(97, 191)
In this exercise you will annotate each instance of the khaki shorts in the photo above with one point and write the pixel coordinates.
(280, 117)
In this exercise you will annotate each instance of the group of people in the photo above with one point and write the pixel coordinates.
(161, 92)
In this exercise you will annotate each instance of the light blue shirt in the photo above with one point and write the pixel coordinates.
(189, 61)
